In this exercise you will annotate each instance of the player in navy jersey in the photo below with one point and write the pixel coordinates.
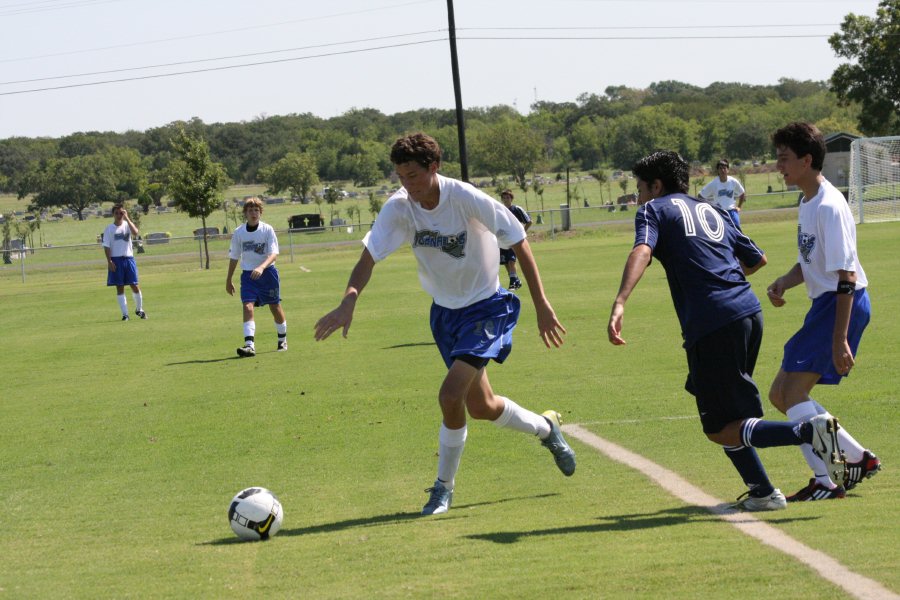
(121, 268)
(508, 255)
(455, 230)
(706, 258)
(823, 351)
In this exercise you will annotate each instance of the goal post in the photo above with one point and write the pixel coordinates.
(874, 186)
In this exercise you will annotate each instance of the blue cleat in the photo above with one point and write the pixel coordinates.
(557, 445)
(439, 501)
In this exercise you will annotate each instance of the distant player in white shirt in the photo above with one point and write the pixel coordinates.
(454, 230)
(726, 192)
(255, 245)
(120, 265)
(823, 351)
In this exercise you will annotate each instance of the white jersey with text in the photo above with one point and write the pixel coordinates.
(253, 247)
(455, 244)
(118, 239)
(826, 240)
(723, 194)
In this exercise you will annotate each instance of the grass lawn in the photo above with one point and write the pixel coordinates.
(123, 443)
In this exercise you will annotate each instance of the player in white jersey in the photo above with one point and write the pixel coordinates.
(454, 230)
(725, 191)
(121, 270)
(255, 245)
(824, 350)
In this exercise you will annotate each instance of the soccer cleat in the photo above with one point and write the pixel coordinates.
(439, 500)
(774, 501)
(246, 351)
(556, 443)
(125, 318)
(515, 284)
(282, 346)
(825, 445)
(141, 314)
(856, 472)
(816, 491)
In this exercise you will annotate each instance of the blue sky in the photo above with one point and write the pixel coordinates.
(243, 59)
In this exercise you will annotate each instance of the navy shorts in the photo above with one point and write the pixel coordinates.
(262, 291)
(483, 329)
(125, 273)
(809, 350)
(720, 373)
(507, 255)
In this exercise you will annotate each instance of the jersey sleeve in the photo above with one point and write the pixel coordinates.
(745, 249)
(272, 241)
(234, 252)
(646, 227)
(709, 190)
(738, 189)
(389, 230)
(107, 237)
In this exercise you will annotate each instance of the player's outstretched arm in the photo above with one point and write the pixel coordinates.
(549, 327)
(775, 291)
(634, 269)
(342, 316)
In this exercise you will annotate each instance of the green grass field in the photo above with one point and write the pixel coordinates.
(123, 443)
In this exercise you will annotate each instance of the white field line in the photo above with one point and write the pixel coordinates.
(831, 570)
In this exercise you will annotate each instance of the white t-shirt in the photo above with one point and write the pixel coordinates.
(118, 239)
(253, 247)
(826, 239)
(724, 194)
(455, 244)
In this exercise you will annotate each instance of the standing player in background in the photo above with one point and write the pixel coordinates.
(453, 229)
(823, 351)
(706, 258)
(255, 245)
(121, 268)
(726, 192)
(508, 255)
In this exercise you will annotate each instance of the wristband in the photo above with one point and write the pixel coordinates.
(846, 287)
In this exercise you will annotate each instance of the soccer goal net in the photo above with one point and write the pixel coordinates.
(874, 190)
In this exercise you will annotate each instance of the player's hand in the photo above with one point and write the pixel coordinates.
(551, 330)
(229, 287)
(775, 293)
(614, 327)
(341, 317)
(842, 357)
(256, 273)
(112, 265)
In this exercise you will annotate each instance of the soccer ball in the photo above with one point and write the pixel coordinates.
(255, 514)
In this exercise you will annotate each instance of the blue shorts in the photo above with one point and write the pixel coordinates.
(735, 216)
(483, 329)
(125, 273)
(262, 291)
(809, 350)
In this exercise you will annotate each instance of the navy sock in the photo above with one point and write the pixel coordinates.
(751, 469)
(766, 434)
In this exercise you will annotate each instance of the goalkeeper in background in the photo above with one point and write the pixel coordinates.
(823, 350)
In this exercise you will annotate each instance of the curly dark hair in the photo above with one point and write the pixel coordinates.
(803, 139)
(419, 147)
(668, 167)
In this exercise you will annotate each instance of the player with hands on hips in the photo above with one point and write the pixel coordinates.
(455, 231)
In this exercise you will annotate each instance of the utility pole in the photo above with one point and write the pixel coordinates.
(460, 118)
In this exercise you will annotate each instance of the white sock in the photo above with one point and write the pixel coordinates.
(138, 301)
(281, 328)
(852, 449)
(805, 411)
(123, 304)
(450, 448)
(249, 332)
(521, 419)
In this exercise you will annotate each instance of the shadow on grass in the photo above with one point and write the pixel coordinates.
(203, 362)
(628, 522)
(399, 517)
(410, 345)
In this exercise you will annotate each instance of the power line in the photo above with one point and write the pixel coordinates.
(222, 68)
(4, 12)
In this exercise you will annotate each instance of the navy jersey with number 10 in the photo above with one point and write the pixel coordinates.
(701, 250)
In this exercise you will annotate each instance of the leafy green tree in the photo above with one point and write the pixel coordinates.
(296, 173)
(196, 182)
(75, 183)
(375, 205)
(873, 78)
(508, 147)
(331, 196)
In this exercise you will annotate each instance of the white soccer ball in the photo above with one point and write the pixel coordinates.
(255, 514)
